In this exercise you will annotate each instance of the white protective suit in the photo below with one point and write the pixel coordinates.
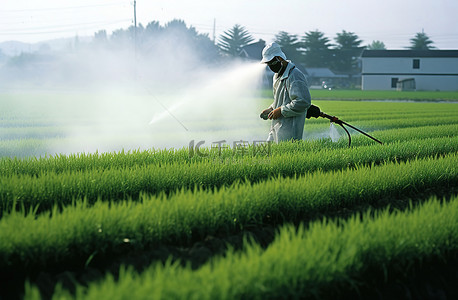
(291, 93)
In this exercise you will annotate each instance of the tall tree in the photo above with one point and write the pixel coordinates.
(122, 38)
(185, 43)
(376, 45)
(101, 36)
(317, 49)
(150, 37)
(232, 40)
(179, 27)
(347, 52)
(153, 28)
(290, 45)
(347, 41)
(421, 42)
(3, 56)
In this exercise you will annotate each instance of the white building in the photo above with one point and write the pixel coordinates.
(427, 70)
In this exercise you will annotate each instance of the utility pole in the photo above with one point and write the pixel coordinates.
(135, 27)
(135, 14)
(214, 30)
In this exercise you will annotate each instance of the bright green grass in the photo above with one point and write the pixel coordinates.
(122, 159)
(29, 129)
(300, 263)
(125, 201)
(47, 189)
(413, 120)
(384, 95)
(80, 230)
(377, 95)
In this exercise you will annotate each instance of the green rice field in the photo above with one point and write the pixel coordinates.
(313, 219)
(435, 96)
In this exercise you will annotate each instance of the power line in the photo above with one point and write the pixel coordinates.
(60, 8)
(62, 30)
(65, 25)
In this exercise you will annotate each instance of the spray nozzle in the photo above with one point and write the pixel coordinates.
(314, 111)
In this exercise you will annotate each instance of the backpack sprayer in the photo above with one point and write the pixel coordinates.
(315, 112)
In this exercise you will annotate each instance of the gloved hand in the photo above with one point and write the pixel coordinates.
(265, 113)
(275, 114)
(313, 111)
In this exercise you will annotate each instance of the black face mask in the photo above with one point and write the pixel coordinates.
(275, 66)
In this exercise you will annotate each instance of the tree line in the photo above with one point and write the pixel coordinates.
(313, 49)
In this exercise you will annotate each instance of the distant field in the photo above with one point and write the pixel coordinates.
(383, 95)
(378, 95)
(304, 220)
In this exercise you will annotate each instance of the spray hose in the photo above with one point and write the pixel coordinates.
(314, 111)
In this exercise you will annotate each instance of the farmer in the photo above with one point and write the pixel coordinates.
(291, 96)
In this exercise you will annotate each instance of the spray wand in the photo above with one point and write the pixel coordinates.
(314, 111)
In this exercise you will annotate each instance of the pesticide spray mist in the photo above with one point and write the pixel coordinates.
(333, 133)
(219, 105)
(105, 102)
(223, 106)
(98, 98)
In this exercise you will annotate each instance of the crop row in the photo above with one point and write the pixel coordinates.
(389, 117)
(319, 259)
(378, 124)
(80, 230)
(48, 189)
(367, 123)
(387, 136)
(89, 161)
(389, 113)
(356, 95)
(367, 116)
(363, 107)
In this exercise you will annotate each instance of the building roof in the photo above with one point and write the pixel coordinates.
(410, 53)
(322, 73)
(253, 51)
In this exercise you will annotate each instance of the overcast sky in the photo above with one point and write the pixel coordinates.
(393, 22)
